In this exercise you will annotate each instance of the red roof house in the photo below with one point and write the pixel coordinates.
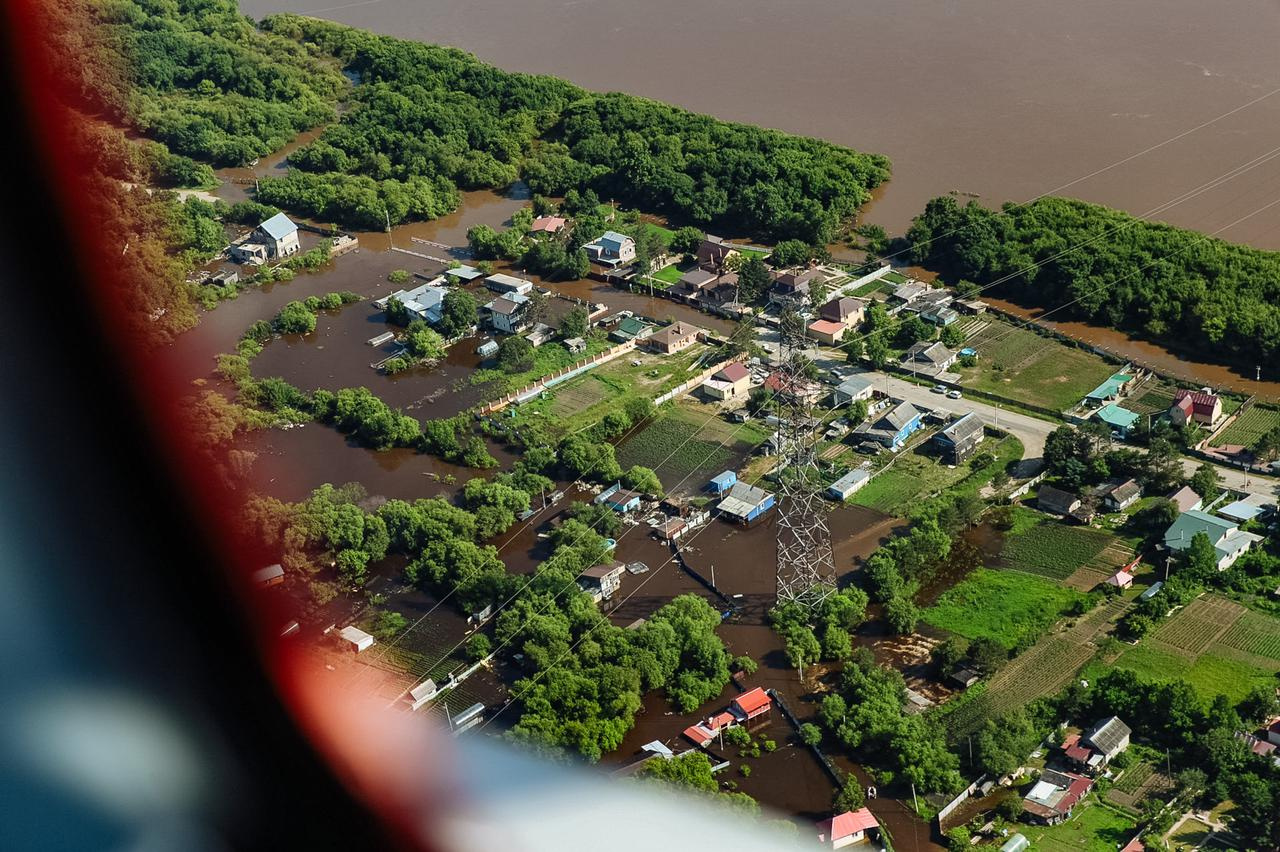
(846, 829)
(732, 372)
(1134, 845)
(547, 225)
(827, 331)
(1203, 408)
(751, 704)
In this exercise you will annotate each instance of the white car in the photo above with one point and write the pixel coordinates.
(955, 394)
(939, 388)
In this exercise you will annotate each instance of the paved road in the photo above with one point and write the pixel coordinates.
(1031, 431)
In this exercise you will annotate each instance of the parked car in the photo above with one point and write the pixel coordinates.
(955, 394)
(939, 388)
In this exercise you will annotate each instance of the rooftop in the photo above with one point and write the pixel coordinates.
(278, 227)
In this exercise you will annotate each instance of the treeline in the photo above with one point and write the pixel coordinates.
(1166, 284)
(200, 77)
(436, 117)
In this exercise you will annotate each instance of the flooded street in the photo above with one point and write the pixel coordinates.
(1005, 99)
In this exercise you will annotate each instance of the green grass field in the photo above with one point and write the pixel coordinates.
(1008, 606)
(668, 274)
(1092, 828)
(1250, 426)
(1027, 368)
(546, 360)
(686, 447)
(1053, 550)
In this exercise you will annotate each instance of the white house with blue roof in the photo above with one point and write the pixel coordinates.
(612, 249)
(279, 234)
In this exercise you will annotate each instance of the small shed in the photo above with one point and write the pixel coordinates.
(845, 487)
(965, 677)
(722, 482)
(575, 345)
(272, 575)
(423, 692)
(1120, 579)
(356, 638)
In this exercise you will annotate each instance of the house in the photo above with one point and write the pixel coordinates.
(547, 225)
(731, 381)
(846, 310)
(619, 499)
(792, 287)
(1110, 390)
(1199, 407)
(671, 529)
(1091, 752)
(355, 638)
(678, 336)
(508, 313)
(1054, 796)
(847, 829)
(751, 705)
(940, 316)
(272, 575)
(961, 438)
(1247, 508)
(631, 328)
(1134, 845)
(851, 390)
(1055, 501)
(540, 334)
(575, 345)
(425, 302)
(1120, 579)
(827, 331)
(848, 485)
(745, 503)
(1273, 732)
(1186, 499)
(722, 482)
(611, 249)
(929, 358)
(487, 349)
(905, 294)
(602, 581)
(280, 236)
(1123, 496)
(892, 428)
(804, 390)
(972, 307)
(713, 253)
(1117, 417)
(507, 284)
(1228, 540)
(690, 286)
(462, 272)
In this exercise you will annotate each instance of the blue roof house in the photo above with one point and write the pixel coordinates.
(279, 234)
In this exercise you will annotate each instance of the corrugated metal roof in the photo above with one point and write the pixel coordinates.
(278, 227)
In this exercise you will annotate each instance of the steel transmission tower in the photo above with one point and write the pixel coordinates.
(806, 565)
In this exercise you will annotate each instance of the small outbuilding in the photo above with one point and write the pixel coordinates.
(355, 638)
(848, 485)
(272, 575)
(422, 693)
(1123, 495)
(722, 482)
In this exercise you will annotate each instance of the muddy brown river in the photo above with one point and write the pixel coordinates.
(1006, 99)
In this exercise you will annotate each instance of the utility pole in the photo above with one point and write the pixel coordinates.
(914, 800)
(713, 573)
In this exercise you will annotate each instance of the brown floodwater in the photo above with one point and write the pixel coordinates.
(1006, 99)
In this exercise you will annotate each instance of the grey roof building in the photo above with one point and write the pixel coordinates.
(961, 438)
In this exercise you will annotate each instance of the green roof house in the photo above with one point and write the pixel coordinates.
(1228, 540)
(631, 329)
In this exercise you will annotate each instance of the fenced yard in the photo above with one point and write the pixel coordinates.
(1026, 367)
(1250, 426)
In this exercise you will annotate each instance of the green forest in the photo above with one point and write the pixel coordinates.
(1162, 283)
(424, 122)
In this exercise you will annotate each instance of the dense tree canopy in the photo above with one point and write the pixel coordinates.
(1163, 283)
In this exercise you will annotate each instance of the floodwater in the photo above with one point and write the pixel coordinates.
(1156, 357)
(744, 564)
(1005, 99)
